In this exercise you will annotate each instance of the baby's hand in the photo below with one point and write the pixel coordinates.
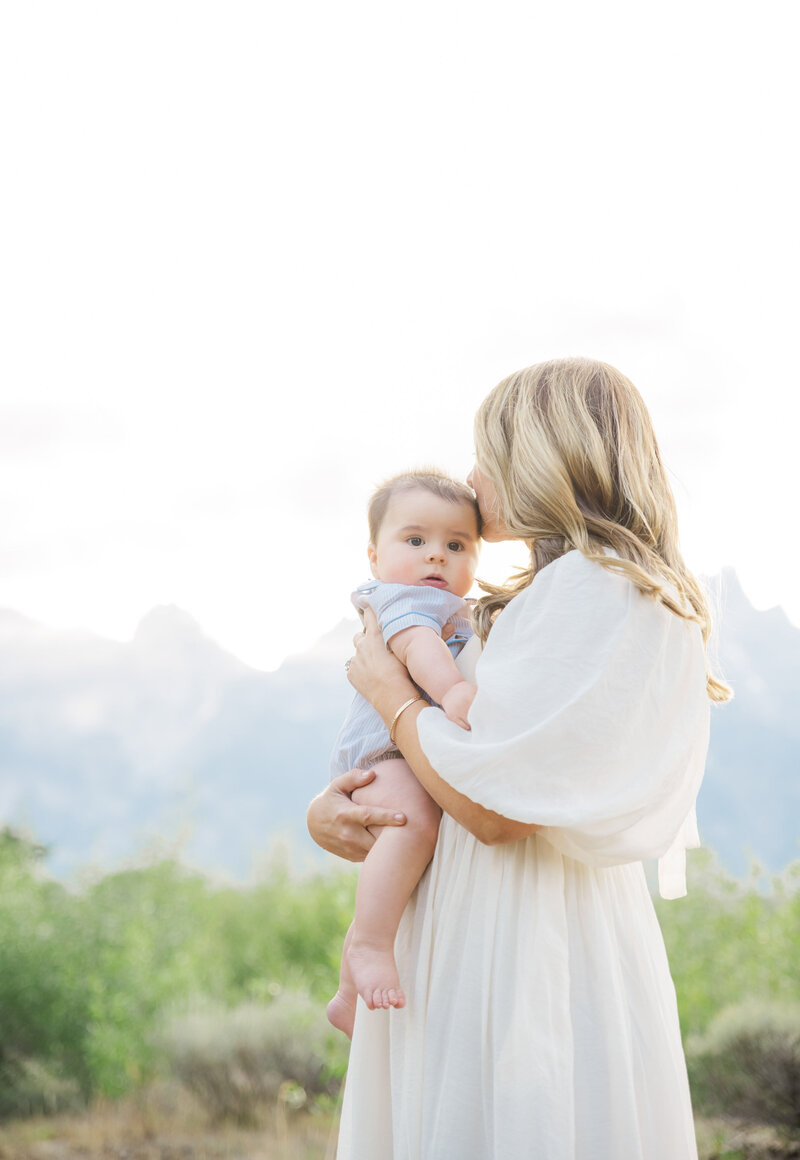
(456, 702)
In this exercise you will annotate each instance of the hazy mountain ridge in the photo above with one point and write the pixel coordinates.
(750, 800)
(105, 745)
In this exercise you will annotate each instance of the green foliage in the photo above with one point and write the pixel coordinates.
(85, 977)
(730, 941)
(42, 991)
(29, 1087)
(89, 979)
(749, 1060)
(284, 931)
(148, 945)
(239, 1060)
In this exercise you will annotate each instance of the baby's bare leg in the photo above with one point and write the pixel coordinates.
(342, 1007)
(390, 872)
(388, 877)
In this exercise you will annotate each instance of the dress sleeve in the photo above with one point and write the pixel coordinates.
(591, 719)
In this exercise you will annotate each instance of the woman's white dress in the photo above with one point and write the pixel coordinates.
(541, 1019)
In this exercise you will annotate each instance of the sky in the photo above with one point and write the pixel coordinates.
(255, 257)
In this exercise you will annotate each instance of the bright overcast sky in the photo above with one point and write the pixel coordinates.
(257, 256)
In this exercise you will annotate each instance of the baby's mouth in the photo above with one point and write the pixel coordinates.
(434, 581)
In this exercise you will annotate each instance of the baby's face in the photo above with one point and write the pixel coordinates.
(426, 540)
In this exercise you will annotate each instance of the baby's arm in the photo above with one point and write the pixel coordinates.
(431, 665)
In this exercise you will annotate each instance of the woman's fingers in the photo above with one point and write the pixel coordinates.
(333, 822)
(353, 779)
(374, 670)
(370, 627)
(376, 816)
(338, 824)
(364, 815)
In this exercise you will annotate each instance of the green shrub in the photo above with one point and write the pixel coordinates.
(146, 945)
(237, 1061)
(85, 976)
(284, 932)
(43, 1001)
(747, 1064)
(729, 941)
(29, 1087)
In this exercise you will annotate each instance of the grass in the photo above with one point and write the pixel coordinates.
(727, 1139)
(165, 1123)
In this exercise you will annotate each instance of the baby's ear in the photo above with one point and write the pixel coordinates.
(373, 560)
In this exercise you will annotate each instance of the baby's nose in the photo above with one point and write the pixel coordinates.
(436, 552)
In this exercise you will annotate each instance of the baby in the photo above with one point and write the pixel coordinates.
(424, 540)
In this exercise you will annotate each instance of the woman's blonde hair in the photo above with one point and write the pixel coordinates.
(570, 449)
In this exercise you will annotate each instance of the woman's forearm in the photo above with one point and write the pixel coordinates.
(378, 675)
(487, 826)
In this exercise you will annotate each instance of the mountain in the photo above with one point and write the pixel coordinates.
(108, 747)
(749, 805)
(169, 742)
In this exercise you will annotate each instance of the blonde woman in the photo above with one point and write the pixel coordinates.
(541, 1018)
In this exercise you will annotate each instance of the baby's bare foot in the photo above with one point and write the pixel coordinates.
(375, 975)
(341, 1013)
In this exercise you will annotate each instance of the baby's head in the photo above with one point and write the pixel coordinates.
(424, 529)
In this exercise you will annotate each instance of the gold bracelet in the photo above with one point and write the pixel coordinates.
(396, 717)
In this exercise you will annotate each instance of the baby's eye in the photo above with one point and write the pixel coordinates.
(454, 546)
(416, 541)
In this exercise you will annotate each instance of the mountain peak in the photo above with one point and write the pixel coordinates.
(735, 605)
(168, 624)
(327, 655)
(169, 638)
(12, 622)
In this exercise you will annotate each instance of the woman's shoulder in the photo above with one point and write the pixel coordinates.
(580, 616)
(567, 592)
(576, 594)
(569, 576)
(575, 565)
(575, 571)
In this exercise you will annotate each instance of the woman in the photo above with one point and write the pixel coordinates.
(541, 1018)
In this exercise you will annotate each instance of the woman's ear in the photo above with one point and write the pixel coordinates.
(373, 560)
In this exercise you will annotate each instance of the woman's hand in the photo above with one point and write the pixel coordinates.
(376, 673)
(338, 825)
(380, 677)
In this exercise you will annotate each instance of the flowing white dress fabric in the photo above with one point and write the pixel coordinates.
(541, 1019)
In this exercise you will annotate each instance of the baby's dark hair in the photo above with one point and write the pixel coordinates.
(428, 478)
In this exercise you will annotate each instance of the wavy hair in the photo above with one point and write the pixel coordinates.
(570, 449)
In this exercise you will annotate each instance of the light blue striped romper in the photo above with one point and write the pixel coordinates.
(363, 738)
